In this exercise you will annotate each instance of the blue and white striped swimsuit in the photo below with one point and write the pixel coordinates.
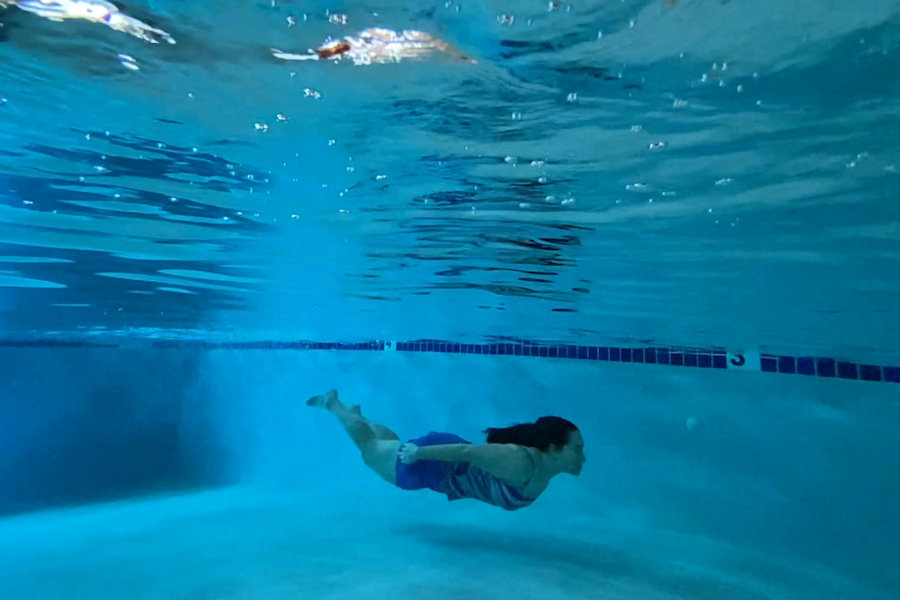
(458, 480)
(466, 481)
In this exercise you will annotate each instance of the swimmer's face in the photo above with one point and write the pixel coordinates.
(333, 49)
(573, 453)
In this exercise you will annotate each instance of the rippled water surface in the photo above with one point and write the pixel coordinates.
(691, 172)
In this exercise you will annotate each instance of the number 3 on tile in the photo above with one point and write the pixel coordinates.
(744, 361)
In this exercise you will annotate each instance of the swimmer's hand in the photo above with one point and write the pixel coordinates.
(407, 453)
(139, 29)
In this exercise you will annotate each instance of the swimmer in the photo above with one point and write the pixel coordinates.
(377, 45)
(93, 11)
(510, 470)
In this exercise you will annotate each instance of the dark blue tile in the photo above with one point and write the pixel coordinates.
(529, 350)
(545, 351)
(870, 372)
(806, 365)
(690, 359)
(572, 351)
(768, 364)
(554, 351)
(592, 353)
(787, 364)
(847, 370)
(650, 355)
(517, 350)
(626, 355)
(615, 354)
(825, 367)
(637, 355)
(583, 352)
(720, 361)
(457, 348)
(676, 359)
(508, 349)
(603, 353)
(662, 356)
(704, 361)
(891, 374)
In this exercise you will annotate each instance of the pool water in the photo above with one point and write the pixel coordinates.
(196, 236)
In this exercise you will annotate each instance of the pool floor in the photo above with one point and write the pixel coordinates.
(250, 543)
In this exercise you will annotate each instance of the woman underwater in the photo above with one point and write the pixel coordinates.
(510, 470)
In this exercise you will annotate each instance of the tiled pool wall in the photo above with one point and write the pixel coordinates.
(699, 358)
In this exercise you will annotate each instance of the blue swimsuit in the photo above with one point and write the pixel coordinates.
(457, 480)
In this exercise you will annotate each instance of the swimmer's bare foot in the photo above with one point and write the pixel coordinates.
(326, 400)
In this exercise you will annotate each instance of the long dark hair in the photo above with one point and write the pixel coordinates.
(542, 434)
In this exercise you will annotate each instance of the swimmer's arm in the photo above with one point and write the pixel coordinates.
(505, 461)
(445, 47)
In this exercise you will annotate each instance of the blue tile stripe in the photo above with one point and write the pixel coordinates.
(698, 358)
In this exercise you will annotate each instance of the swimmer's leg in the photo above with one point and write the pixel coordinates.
(381, 432)
(377, 443)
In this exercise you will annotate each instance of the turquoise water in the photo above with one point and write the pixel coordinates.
(696, 174)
